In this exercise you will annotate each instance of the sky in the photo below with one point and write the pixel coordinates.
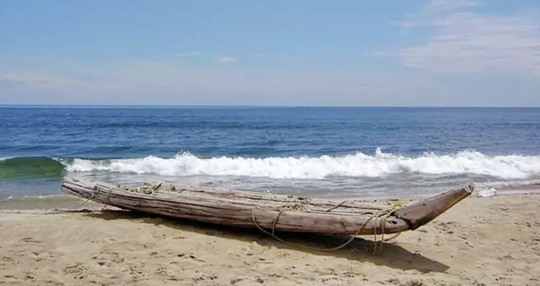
(279, 52)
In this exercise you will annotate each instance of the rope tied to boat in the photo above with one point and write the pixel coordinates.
(94, 193)
(294, 207)
(148, 189)
(377, 244)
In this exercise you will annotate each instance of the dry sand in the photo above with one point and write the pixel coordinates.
(481, 241)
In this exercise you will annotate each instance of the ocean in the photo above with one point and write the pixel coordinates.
(326, 151)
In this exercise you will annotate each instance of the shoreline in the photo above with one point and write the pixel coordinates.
(66, 201)
(479, 241)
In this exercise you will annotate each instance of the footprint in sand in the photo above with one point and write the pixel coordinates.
(163, 271)
(31, 239)
(204, 277)
(6, 259)
(76, 268)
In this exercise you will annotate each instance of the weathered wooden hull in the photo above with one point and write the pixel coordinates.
(279, 212)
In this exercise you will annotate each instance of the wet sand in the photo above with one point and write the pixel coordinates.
(480, 241)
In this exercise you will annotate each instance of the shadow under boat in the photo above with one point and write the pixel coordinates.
(390, 254)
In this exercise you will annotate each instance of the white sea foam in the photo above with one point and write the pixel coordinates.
(356, 165)
(487, 192)
(6, 199)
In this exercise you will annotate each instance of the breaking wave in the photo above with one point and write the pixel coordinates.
(380, 164)
(31, 167)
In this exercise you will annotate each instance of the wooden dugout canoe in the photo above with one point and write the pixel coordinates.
(269, 211)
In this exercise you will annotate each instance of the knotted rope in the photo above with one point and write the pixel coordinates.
(382, 215)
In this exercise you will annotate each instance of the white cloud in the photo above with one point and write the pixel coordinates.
(465, 41)
(225, 59)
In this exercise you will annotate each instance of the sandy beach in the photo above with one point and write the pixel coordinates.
(481, 241)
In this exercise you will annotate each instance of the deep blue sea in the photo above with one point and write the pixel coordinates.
(377, 152)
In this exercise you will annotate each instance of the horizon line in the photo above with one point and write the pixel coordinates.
(246, 106)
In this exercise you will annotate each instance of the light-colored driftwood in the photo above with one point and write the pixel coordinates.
(279, 212)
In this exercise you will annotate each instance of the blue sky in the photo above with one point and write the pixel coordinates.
(254, 52)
